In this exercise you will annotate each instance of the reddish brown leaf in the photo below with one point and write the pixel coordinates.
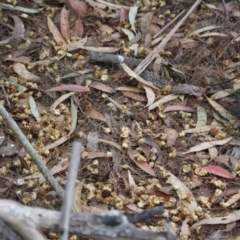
(123, 14)
(135, 96)
(77, 29)
(218, 171)
(22, 59)
(143, 165)
(102, 87)
(64, 24)
(55, 32)
(178, 108)
(69, 87)
(92, 113)
(79, 7)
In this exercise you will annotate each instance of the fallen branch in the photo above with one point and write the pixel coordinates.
(107, 225)
(31, 151)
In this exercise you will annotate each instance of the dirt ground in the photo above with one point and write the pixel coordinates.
(168, 138)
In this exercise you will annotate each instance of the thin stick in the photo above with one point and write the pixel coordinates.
(68, 198)
(32, 152)
(144, 64)
(169, 24)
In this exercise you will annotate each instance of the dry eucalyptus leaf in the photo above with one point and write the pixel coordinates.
(21, 70)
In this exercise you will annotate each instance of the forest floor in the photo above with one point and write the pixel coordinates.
(169, 137)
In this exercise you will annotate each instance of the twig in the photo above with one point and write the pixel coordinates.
(32, 152)
(225, 10)
(169, 24)
(95, 226)
(68, 197)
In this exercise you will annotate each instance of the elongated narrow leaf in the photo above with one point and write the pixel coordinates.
(55, 32)
(33, 108)
(70, 87)
(74, 117)
(218, 171)
(143, 165)
(64, 24)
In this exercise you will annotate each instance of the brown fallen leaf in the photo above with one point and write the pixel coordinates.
(218, 171)
(143, 165)
(21, 70)
(77, 29)
(64, 24)
(94, 114)
(178, 108)
(69, 87)
(79, 7)
(102, 87)
(135, 96)
(55, 32)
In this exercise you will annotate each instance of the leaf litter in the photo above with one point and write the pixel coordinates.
(164, 140)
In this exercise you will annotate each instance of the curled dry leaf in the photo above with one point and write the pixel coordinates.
(143, 165)
(21, 70)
